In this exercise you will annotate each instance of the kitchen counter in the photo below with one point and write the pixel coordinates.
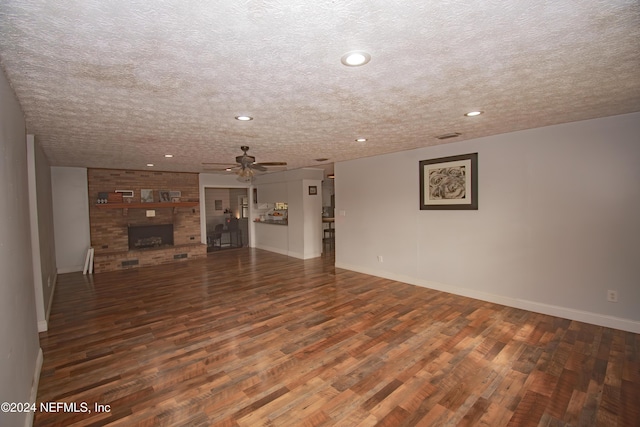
(273, 221)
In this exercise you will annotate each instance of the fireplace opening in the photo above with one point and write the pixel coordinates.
(150, 236)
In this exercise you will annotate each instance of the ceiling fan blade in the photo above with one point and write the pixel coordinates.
(245, 164)
(230, 165)
(220, 167)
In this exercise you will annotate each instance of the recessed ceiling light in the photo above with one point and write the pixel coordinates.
(150, 164)
(474, 113)
(168, 156)
(244, 118)
(355, 58)
(361, 140)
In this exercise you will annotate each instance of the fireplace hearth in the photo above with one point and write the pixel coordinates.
(150, 236)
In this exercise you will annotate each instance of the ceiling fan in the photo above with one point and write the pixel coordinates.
(245, 166)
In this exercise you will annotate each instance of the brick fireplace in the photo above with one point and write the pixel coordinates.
(177, 234)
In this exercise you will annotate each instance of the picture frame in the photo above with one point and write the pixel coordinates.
(175, 193)
(217, 205)
(126, 193)
(313, 190)
(146, 196)
(449, 183)
(164, 196)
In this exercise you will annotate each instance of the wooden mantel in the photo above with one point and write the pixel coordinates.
(155, 205)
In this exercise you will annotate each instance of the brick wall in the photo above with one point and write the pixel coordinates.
(109, 236)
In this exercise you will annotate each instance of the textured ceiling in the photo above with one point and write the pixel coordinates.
(118, 84)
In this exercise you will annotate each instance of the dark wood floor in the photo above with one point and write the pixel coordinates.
(252, 338)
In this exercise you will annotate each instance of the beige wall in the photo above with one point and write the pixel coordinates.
(20, 355)
(557, 224)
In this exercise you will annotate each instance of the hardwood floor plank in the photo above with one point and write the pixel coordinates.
(530, 410)
(251, 338)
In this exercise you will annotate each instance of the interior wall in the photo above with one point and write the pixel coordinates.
(302, 237)
(42, 233)
(557, 224)
(69, 188)
(327, 191)
(296, 219)
(312, 208)
(20, 354)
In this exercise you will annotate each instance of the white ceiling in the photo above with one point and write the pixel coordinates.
(118, 84)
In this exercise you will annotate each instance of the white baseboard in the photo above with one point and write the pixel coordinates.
(552, 310)
(43, 325)
(72, 269)
(292, 254)
(313, 255)
(300, 255)
(272, 249)
(53, 292)
(28, 422)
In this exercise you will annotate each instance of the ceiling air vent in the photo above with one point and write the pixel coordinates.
(449, 135)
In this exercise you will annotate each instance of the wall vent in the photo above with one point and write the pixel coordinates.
(130, 262)
(179, 256)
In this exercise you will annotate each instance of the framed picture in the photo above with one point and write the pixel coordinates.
(164, 195)
(313, 190)
(146, 196)
(449, 182)
(175, 195)
(125, 193)
(217, 205)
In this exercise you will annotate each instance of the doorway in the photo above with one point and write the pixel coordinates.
(227, 218)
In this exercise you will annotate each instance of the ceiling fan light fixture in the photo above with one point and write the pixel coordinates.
(246, 172)
(355, 58)
(244, 118)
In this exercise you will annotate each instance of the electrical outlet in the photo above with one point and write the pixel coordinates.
(612, 296)
(379, 258)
